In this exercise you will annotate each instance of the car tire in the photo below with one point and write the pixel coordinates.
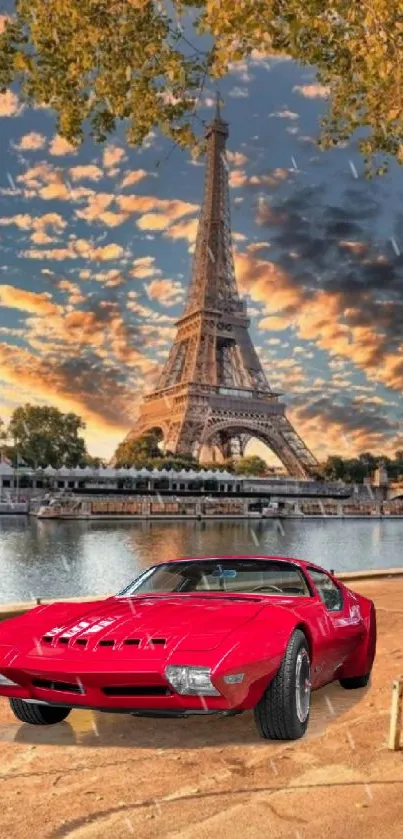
(355, 682)
(36, 714)
(283, 711)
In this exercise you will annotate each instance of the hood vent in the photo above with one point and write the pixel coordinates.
(107, 642)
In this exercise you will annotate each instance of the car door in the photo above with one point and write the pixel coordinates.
(342, 623)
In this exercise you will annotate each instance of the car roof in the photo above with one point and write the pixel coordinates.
(300, 562)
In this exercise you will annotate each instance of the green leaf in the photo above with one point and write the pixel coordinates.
(98, 62)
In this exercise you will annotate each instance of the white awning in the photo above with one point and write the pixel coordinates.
(6, 469)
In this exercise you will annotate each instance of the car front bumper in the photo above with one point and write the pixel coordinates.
(137, 693)
(131, 687)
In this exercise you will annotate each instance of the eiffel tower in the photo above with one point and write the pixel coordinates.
(212, 395)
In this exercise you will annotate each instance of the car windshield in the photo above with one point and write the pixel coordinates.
(242, 576)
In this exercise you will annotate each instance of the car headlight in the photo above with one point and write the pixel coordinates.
(7, 683)
(191, 680)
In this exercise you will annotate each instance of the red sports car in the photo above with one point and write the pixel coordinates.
(194, 636)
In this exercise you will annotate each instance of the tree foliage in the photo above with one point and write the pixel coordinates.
(132, 452)
(253, 465)
(356, 469)
(3, 440)
(44, 436)
(96, 62)
(93, 462)
(144, 453)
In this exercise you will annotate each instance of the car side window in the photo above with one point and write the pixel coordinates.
(329, 593)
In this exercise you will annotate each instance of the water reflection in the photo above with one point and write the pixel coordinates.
(72, 558)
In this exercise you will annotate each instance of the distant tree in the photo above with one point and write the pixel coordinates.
(395, 468)
(132, 452)
(144, 453)
(94, 462)
(253, 465)
(178, 462)
(212, 465)
(4, 449)
(229, 464)
(97, 62)
(44, 436)
(370, 461)
(183, 457)
(356, 470)
(335, 468)
(318, 475)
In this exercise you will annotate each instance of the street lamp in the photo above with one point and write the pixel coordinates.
(16, 472)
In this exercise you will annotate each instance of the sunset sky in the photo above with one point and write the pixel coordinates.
(96, 253)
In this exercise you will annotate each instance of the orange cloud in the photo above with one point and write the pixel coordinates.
(325, 436)
(112, 219)
(186, 229)
(78, 249)
(155, 213)
(4, 19)
(258, 246)
(112, 155)
(88, 173)
(134, 177)
(237, 178)
(153, 221)
(169, 210)
(50, 183)
(97, 204)
(312, 91)
(111, 278)
(355, 247)
(58, 147)
(323, 318)
(27, 301)
(31, 142)
(168, 292)
(45, 382)
(237, 158)
(75, 296)
(10, 105)
(144, 267)
(39, 225)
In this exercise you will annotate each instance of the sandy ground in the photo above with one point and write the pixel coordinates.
(98, 775)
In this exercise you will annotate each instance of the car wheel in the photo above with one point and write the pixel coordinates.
(355, 682)
(37, 714)
(283, 711)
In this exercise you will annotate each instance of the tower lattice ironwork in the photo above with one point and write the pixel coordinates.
(212, 395)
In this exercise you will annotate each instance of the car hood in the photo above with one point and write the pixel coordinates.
(157, 623)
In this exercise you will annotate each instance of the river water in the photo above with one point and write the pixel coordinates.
(73, 558)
